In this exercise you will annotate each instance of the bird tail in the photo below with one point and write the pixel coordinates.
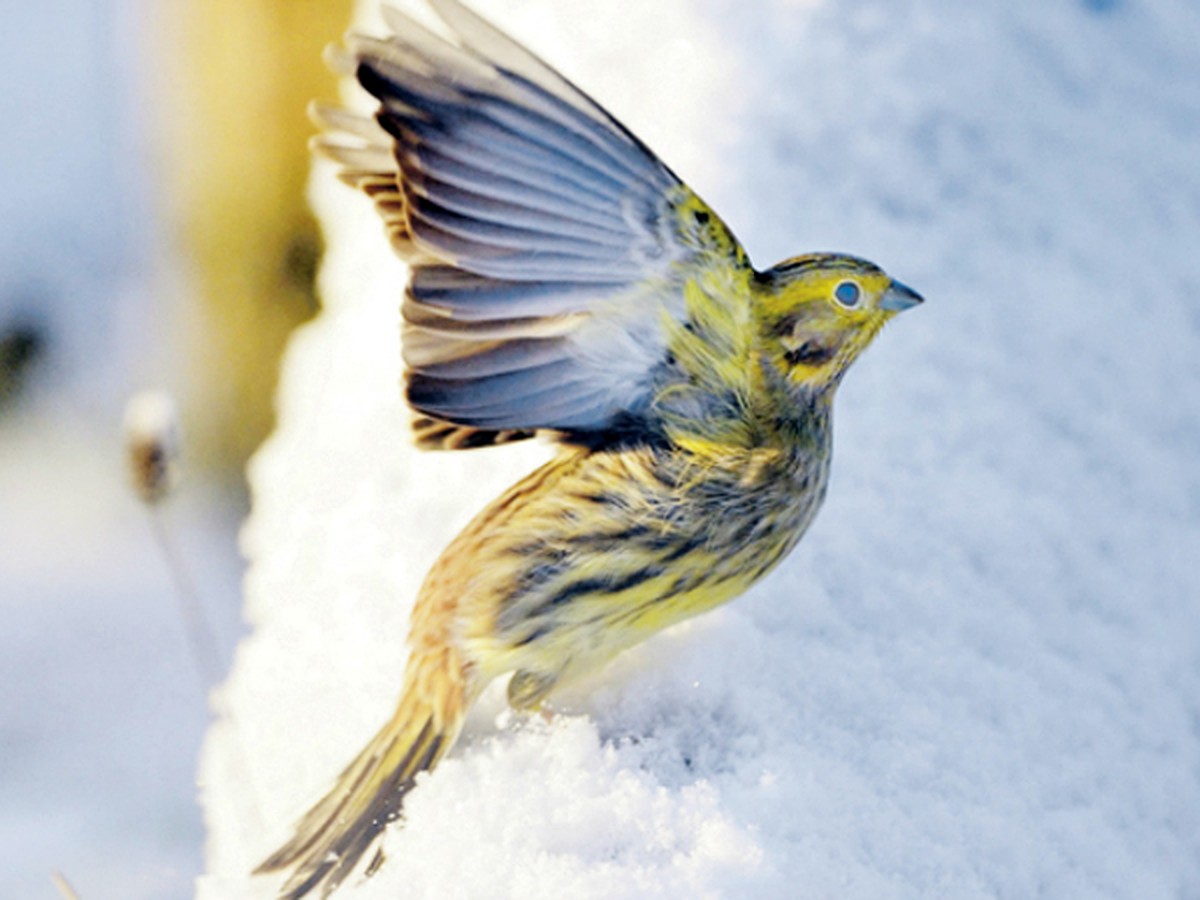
(335, 834)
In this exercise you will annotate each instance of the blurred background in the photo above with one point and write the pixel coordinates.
(154, 233)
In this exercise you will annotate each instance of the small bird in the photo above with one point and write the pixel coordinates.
(563, 281)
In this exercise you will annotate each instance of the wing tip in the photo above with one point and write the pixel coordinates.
(437, 434)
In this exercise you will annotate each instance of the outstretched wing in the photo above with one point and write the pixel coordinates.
(549, 248)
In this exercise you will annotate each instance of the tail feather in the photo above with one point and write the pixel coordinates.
(336, 833)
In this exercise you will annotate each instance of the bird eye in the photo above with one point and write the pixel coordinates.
(847, 293)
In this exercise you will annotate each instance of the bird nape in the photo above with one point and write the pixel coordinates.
(564, 281)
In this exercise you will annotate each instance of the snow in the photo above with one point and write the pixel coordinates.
(979, 674)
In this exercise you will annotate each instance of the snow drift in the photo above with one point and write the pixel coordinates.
(979, 675)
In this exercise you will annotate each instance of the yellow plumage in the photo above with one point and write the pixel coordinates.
(565, 281)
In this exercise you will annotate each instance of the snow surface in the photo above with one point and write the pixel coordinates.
(979, 675)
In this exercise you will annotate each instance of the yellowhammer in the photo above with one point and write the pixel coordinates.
(563, 280)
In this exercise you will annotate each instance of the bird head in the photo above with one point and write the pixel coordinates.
(817, 313)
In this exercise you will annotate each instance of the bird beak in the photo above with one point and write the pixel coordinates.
(899, 297)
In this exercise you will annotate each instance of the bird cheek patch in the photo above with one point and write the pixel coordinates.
(804, 341)
(810, 352)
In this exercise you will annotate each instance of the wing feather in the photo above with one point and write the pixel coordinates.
(549, 248)
(496, 358)
(506, 148)
(465, 296)
(498, 395)
(526, 237)
(501, 180)
(493, 210)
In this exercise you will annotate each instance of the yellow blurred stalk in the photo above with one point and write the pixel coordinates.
(238, 82)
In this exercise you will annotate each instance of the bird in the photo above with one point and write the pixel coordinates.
(563, 282)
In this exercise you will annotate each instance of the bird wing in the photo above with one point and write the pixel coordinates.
(550, 250)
